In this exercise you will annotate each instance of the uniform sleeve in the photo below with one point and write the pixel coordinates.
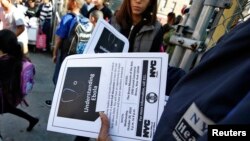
(238, 115)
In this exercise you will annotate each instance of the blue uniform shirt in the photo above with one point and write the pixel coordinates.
(210, 93)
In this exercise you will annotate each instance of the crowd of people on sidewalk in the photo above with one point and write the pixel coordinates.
(217, 89)
(15, 16)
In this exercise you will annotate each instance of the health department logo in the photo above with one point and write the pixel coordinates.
(151, 97)
(153, 72)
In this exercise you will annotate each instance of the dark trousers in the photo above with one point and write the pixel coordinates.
(57, 67)
(19, 112)
(46, 28)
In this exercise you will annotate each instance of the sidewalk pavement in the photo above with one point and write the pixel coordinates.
(13, 128)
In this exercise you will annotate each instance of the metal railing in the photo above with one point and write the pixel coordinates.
(206, 21)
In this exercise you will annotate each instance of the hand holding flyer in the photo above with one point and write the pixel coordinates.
(128, 87)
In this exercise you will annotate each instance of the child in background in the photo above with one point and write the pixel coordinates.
(32, 9)
(94, 16)
(11, 57)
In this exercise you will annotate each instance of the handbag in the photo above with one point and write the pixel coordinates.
(41, 40)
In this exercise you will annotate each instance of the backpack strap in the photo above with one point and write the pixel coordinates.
(75, 19)
(65, 48)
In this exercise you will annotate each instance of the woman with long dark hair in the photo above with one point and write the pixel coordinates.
(11, 57)
(136, 20)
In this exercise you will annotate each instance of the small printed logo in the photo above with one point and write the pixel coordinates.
(153, 72)
(151, 97)
(146, 128)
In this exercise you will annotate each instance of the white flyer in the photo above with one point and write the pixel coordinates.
(128, 87)
(105, 39)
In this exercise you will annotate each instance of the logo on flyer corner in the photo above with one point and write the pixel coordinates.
(153, 72)
(146, 129)
(151, 97)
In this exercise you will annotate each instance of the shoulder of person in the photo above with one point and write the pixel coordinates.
(18, 13)
(83, 19)
(68, 16)
(156, 27)
(84, 6)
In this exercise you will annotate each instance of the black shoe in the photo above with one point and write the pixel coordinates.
(32, 124)
(48, 102)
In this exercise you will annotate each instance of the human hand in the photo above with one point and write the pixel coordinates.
(104, 131)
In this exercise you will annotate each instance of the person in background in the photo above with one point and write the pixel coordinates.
(13, 19)
(136, 20)
(100, 5)
(11, 57)
(94, 16)
(73, 6)
(45, 21)
(171, 18)
(178, 20)
(62, 33)
(169, 30)
(32, 9)
(21, 6)
(86, 7)
(38, 2)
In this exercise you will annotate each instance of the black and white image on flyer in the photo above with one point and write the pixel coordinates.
(108, 42)
(106, 39)
(128, 87)
(79, 92)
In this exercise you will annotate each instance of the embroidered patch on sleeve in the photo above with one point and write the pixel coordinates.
(192, 125)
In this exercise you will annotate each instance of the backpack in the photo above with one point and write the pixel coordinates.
(80, 31)
(27, 76)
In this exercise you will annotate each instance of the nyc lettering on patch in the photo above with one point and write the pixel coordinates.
(192, 125)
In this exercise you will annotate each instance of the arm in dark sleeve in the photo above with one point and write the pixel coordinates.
(174, 75)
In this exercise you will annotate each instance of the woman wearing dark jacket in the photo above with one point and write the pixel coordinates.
(11, 56)
(137, 21)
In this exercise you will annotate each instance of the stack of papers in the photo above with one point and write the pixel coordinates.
(128, 87)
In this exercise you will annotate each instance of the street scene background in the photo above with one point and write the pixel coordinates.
(13, 128)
